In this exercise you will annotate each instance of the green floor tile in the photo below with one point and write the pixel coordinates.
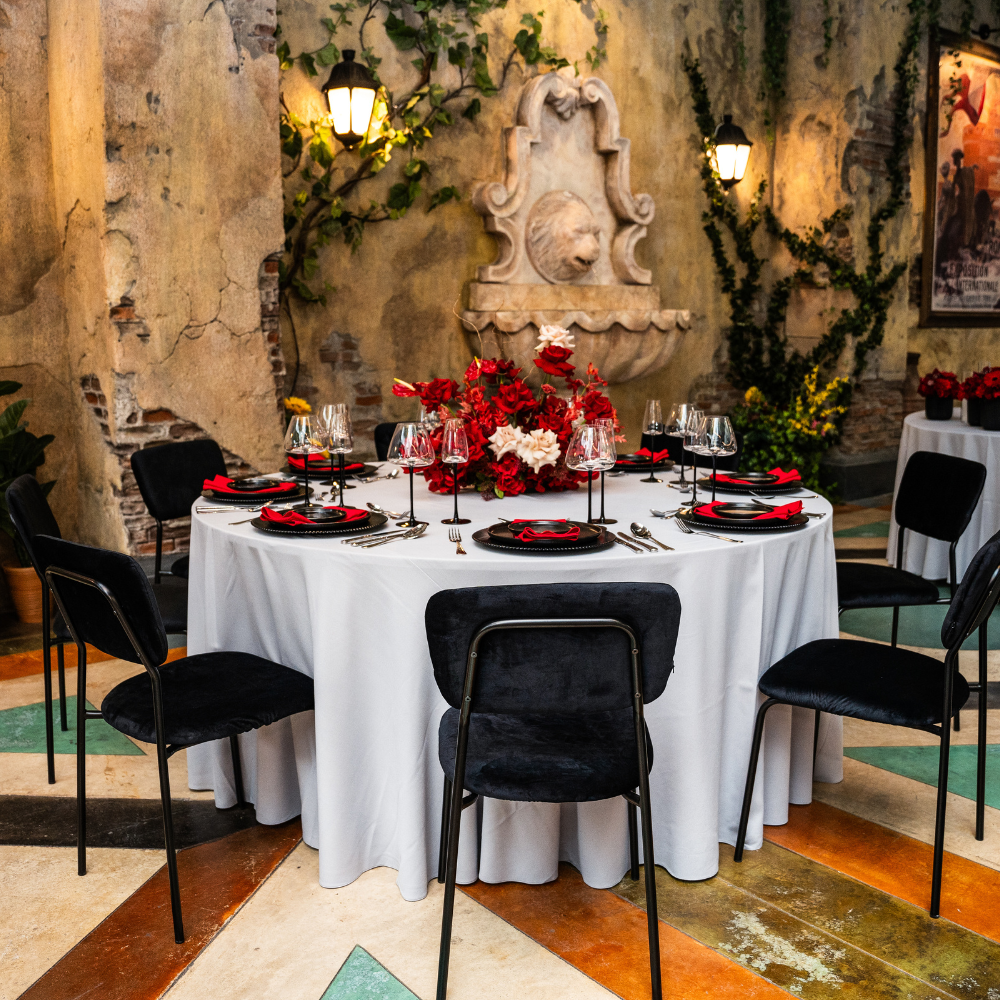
(875, 529)
(22, 730)
(921, 764)
(362, 978)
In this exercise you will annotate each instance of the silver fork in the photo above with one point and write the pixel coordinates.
(690, 531)
(454, 535)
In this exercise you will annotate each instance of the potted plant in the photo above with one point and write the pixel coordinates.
(20, 452)
(940, 390)
(972, 393)
(991, 399)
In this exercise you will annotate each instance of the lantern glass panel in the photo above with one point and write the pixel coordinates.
(340, 109)
(362, 101)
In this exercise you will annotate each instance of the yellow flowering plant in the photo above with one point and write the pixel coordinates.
(795, 436)
(295, 406)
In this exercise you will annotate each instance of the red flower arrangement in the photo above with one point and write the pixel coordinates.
(517, 440)
(982, 385)
(943, 385)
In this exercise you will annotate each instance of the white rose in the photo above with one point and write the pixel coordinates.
(505, 439)
(554, 336)
(538, 448)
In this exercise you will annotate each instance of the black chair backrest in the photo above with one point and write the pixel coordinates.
(938, 494)
(976, 596)
(31, 514)
(557, 671)
(88, 611)
(170, 476)
(383, 438)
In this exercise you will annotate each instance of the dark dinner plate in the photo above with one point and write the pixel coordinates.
(243, 496)
(368, 523)
(742, 510)
(316, 471)
(742, 523)
(559, 527)
(498, 536)
(636, 463)
(744, 489)
(256, 483)
(502, 534)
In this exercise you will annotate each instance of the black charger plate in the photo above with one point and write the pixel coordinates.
(327, 528)
(742, 523)
(499, 536)
(318, 471)
(745, 489)
(298, 493)
(636, 463)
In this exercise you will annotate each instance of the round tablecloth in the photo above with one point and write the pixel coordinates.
(365, 774)
(928, 557)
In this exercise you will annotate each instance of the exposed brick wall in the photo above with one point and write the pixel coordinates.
(136, 428)
(340, 352)
(872, 139)
(875, 418)
(270, 323)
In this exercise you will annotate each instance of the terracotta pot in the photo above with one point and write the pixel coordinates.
(26, 591)
(937, 408)
(991, 414)
(974, 411)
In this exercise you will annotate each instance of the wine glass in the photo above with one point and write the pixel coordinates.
(692, 428)
(455, 452)
(304, 437)
(718, 439)
(588, 452)
(411, 448)
(676, 421)
(431, 419)
(341, 442)
(652, 424)
(607, 427)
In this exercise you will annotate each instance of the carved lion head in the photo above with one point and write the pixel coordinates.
(562, 237)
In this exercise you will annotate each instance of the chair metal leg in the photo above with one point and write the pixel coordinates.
(234, 747)
(956, 722)
(895, 624)
(981, 755)
(158, 558)
(758, 733)
(447, 916)
(815, 739)
(652, 914)
(445, 816)
(81, 760)
(633, 843)
(942, 794)
(61, 661)
(50, 736)
(168, 838)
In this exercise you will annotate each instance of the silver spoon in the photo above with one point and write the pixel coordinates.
(665, 514)
(381, 510)
(375, 479)
(641, 531)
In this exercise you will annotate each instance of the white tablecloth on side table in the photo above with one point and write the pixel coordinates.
(369, 784)
(928, 557)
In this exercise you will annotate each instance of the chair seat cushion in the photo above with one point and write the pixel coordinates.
(172, 600)
(864, 680)
(181, 567)
(208, 697)
(545, 758)
(861, 585)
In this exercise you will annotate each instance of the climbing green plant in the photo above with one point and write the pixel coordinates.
(759, 353)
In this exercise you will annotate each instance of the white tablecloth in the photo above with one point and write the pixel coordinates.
(928, 557)
(366, 778)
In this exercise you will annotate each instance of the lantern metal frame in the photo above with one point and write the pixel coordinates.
(728, 134)
(353, 76)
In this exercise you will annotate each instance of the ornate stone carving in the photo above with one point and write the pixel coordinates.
(567, 224)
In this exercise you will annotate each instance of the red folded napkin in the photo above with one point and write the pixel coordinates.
(783, 478)
(220, 484)
(322, 464)
(644, 453)
(294, 517)
(778, 514)
(530, 535)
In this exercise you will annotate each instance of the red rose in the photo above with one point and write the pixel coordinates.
(553, 361)
(597, 406)
(507, 473)
(943, 385)
(506, 368)
(514, 397)
(437, 392)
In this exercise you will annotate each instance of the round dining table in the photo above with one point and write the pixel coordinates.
(363, 769)
(928, 557)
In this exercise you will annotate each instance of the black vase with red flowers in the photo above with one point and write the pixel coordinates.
(988, 391)
(940, 390)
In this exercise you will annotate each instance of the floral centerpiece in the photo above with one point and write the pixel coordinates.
(939, 389)
(517, 439)
(982, 390)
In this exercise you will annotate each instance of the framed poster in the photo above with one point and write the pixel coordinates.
(961, 260)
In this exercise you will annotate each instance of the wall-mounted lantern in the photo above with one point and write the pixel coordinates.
(731, 152)
(350, 92)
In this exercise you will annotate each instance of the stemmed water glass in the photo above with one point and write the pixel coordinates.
(588, 452)
(691, 431)
(411, 448)
(677, 420)
(652, 424)
(455, 452)
(607, 427)
(717, 438)
(304, 437)
(340, 435)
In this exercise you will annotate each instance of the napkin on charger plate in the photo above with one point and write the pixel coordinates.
(645, 453)
(293, 517)
(783, 478)
(530, 535)
(221, 484)
(778, 514)
(324, 465)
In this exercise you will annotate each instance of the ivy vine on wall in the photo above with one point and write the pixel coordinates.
(759, 353)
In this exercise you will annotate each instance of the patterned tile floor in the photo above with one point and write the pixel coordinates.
(833, 905)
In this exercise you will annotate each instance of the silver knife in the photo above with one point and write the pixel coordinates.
(637, 541)
(628, 545)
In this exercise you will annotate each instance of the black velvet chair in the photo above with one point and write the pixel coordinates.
(107, 601)
(383, 438)
(170, 479)
(32, 516)
(554, 715)
(937, 496)
(897, 687)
